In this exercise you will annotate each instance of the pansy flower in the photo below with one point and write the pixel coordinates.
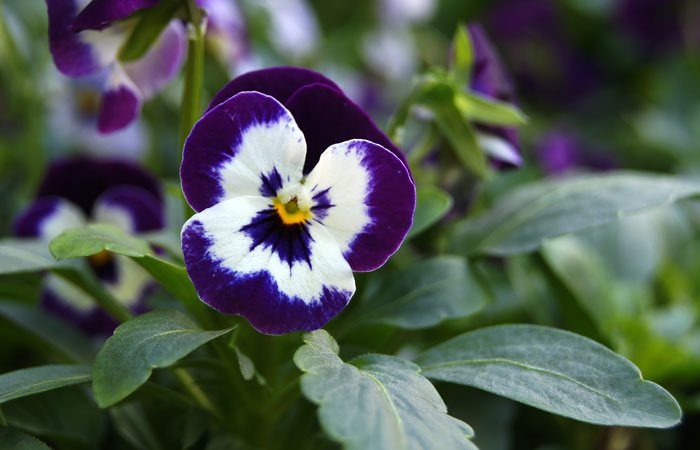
(490, 79)
(226, 32)
(295, 188)
(78, 191)
(87, 40)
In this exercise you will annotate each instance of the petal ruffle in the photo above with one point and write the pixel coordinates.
(98, 14)
(326, 116)
(370, 200)
(278, 82)
(161, 63)
(239, 272)
(248, 145)
(72, 56)
(131, 208)
(48, 217)
(82, 180)
(120, 102)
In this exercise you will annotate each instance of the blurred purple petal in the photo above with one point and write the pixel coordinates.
(132, 208)
(72, 56)
(161, 63)
(120, 103)
(99, 14)
(47, 217)
(489, 77)
(226, 31)
(561, 151)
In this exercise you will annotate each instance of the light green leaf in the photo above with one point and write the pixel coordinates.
(52, 331)
(153, 340)
(422, 295)
(553, 370)
(485, 110)
(375, 402)
(463, 55)
(11, 438)
(432, 204)
(94, 238)
(522, 220)
(26, 255)
(25, 382)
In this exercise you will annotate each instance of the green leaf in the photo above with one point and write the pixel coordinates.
(463, 55)
(13, 439)
(553, 370)
(375, 402)
(25, 255)
(52, 331)
(522, 220)
(438, 97)
(153, 340)
(25, 382)
(149, 27)
(131, 423)
(422, 295)
(485, 110)
(94, 238)
(432, 204)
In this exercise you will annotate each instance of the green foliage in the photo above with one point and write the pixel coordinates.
(149, 27)
(154, 340)
(16, 440)
(375, 402)
(553, 370)
(522, 220)
(25, 382)
(25, 255)
(431, 205)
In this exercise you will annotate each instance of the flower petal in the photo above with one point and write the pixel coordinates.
(82, 180)
(72, 56)
(100, 13)
(120, 103)
(278, 82)
(501, 146)
(248, 145)
(48, 217)
(327, 117)
(161, 63)
(131, 208)
(237, 271)
(371, 199)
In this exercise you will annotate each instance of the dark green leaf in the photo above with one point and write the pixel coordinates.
(422, 295)
(132, 424)
(522, 220)
(375, 402)
(147, 30)
(12, 439)
(431, 205)
(25, 382)
(153, 340)
(52, 331)
(553, 370)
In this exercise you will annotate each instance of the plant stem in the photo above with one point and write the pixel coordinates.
(191, 95)
(3, 421)
(192, 388)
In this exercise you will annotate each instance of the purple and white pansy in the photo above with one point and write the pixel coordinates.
(490, 79)
(295, 188)
(86, 37)
(74, 193)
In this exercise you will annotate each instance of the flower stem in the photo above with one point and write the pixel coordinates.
(194, 70)
(192, 388)
(3, 421)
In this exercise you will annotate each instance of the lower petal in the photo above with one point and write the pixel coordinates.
(120, 104)
(48, 217)
(72, 56)
(235, 274)
(367, 199)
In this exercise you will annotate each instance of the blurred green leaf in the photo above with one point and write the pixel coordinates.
(149, 27)
(150, 341)
(12, 439)
(375, 402)
(25, 382)
(26, 255)
(432, 204)
(94, 238)
(553, 370)
(422, 295)
(463, 55)
(522, 220)
(51, 331)
(132, 424)
(485, 110)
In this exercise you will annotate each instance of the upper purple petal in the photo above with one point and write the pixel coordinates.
(278, 82)
(82, 180)
(29, 222)
(98, 14)
(489, 77)
(72, 56)
(328, 117)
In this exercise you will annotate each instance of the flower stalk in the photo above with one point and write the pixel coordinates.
(194, 70)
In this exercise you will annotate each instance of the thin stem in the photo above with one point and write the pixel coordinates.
(192, 388)
(3, 421)
(194, 71)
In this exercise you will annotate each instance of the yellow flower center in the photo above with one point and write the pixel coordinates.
(290, 212)
(100, 259)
